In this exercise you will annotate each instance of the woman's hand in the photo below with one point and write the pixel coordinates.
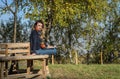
(42, 45)
(50, 46)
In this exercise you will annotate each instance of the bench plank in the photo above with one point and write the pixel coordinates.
(14, 45)
(3, 45)
(30, 57)
(2, 52)
(11, 48)
(18, 45)
(18, 51)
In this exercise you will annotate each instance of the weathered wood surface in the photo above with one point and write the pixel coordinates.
(1, 70)
(52, 59)
(14, 45)
(3, 45)
(9, 48)
(13, 48)
(2, 51)
(30, 57)
(18, 51)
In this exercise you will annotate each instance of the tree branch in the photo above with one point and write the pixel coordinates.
(16, 6)
(8, 7)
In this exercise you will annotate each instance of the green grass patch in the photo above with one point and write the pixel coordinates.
(81, 71)
(69, 71)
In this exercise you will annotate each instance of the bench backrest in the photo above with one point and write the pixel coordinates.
(13, 48)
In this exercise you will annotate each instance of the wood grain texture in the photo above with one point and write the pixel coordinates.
(2, 51)
(14, 45)
(30, 57)
(8, 48)
(2, 45)
(18, 51)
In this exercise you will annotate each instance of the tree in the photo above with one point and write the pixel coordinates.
(66, 14)
(12, 7)
(108, 42)
(63, 12)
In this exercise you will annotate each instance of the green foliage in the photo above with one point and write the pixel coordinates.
(64, 12)
(6, 31)
(108, 40)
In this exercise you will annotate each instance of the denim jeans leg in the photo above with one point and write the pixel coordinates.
(46, 51)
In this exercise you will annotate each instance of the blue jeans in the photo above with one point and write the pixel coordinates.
(47, 51)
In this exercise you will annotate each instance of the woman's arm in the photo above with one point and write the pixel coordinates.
(34, 40)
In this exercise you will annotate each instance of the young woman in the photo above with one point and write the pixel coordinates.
(36, 43)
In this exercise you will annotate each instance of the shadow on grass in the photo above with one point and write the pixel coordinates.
(24, 71)
(21, 74)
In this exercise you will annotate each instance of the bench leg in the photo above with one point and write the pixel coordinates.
(1, 70)
(28, 66)
(17, 66)
(14, 68)
(44, 68)
(52, 59)
(6, 69)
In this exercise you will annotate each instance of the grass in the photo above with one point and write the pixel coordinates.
(69, 71)
(81, 71)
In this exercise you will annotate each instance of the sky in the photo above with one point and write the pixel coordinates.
(5, 17)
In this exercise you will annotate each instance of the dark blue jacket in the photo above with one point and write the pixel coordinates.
(35, 41)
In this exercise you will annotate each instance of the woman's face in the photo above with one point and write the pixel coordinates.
(38, 26)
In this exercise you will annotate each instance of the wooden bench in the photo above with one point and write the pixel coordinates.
(6, 49)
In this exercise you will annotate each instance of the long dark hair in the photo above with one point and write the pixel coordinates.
(39, 21)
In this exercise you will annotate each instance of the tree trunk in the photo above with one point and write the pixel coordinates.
(15, 20)
(88, 57)
(15, 24)
(49, 20)
(101, 57)
(14, 66)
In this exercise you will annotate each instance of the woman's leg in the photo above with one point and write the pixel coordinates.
(49, 51)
